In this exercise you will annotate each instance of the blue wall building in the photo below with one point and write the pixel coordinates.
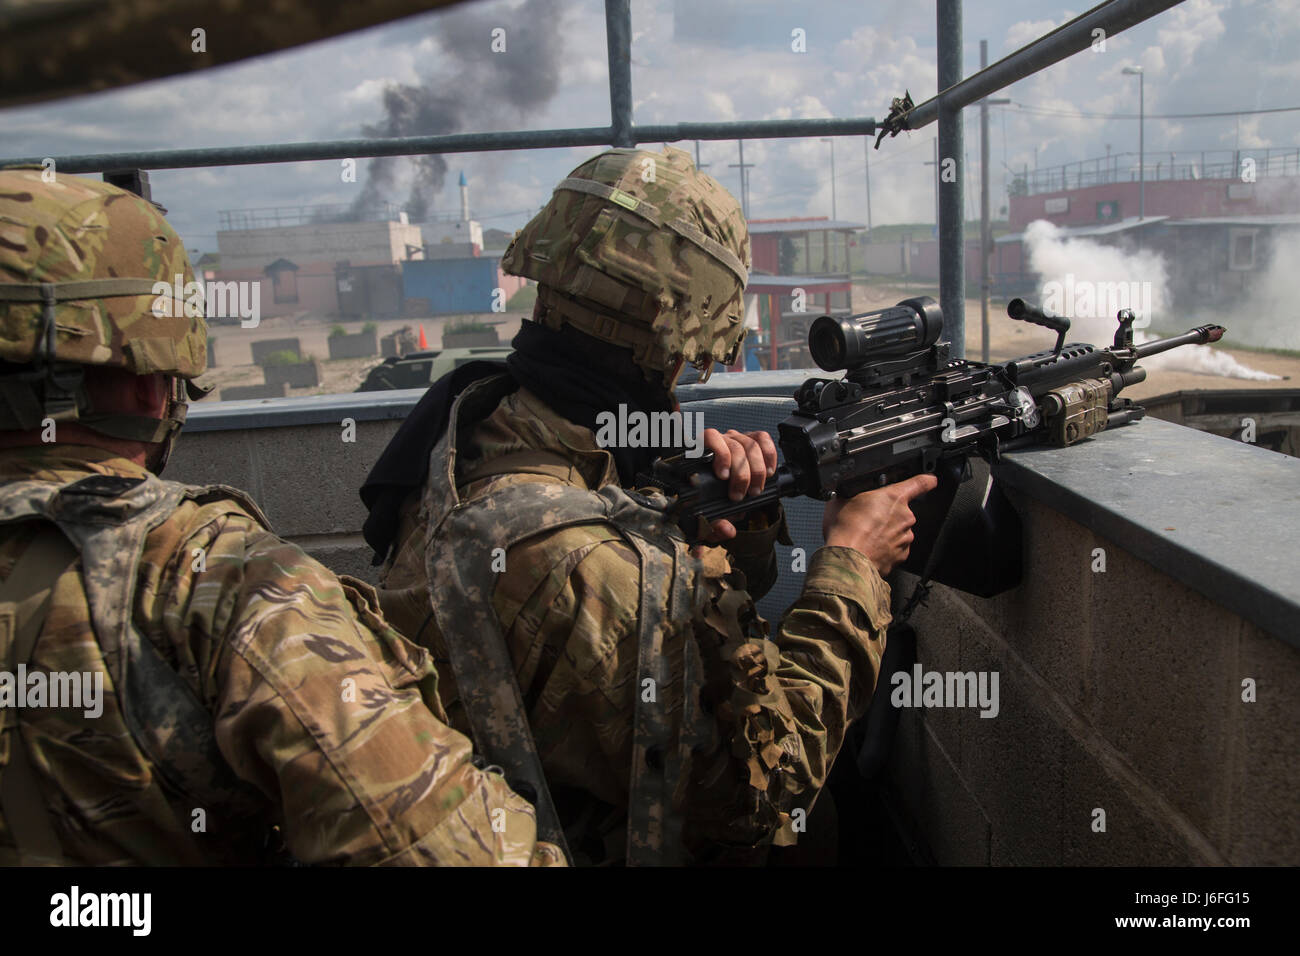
(451, 286)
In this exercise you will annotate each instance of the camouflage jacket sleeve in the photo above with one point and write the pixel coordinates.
(831, 641)
(753, 550)
(329, 712)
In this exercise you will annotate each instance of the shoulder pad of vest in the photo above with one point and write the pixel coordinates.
(210, 494)
(105, 486)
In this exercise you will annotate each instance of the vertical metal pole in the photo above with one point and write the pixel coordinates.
(618, 38)
(774, 321)
(984, 214)
(952, 252)
(1142, 146)
(833, 216)
(935, 163)
(744, 178)
(744, 185)
(866, 142)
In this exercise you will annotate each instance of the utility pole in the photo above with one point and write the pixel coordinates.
(986, 229)
(831, 140)
(1142, 145)
(744, 178)
(935, 163)
(698, 164)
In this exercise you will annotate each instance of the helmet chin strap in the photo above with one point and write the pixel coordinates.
(174, 419)
(159, 432)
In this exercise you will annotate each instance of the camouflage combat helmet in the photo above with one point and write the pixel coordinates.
(641, 250)
(79, 261)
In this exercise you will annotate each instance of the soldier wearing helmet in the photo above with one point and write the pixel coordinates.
(622, 677)
(177, 684)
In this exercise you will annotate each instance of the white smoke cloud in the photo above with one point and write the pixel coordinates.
(1203, 359)
(1088, 282)
(1271, 316)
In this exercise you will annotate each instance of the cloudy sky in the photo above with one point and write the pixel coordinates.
(692, 61)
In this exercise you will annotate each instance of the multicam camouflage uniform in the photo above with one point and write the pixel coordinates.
(244, 685)
(750, 726)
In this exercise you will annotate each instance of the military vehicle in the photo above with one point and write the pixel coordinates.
(421, 369)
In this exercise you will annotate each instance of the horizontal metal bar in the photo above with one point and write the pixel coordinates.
(1065, 41)
(450, 143)
(757, 129)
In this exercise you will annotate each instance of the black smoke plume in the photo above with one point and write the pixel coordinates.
(473, 89)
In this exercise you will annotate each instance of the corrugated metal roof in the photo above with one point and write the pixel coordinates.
(1100, 229)
(806, 281)
(1272, 219)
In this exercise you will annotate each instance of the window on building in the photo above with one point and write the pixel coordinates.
(285, 286)
(1241, 249)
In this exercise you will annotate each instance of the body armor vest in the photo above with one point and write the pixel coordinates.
(464, 539)
(107, 518)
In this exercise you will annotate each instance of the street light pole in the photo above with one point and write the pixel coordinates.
(1142, 150)
(832, 142)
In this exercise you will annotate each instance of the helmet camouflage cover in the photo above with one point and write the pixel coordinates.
(79, 260)
(71, 231)
(641, 250)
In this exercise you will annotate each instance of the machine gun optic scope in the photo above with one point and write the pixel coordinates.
(909, 327)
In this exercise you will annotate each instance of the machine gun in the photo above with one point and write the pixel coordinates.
(904, 407)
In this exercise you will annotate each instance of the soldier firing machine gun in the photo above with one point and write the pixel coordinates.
(905, 407)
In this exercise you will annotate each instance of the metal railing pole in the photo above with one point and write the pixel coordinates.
(952, 251)
(1066, 40)
(618, 37)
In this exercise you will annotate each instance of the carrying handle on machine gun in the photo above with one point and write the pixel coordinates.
(1027, 312)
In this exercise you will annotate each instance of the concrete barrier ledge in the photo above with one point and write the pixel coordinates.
(1220, 516)
(208, 416)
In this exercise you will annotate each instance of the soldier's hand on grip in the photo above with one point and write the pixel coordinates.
(878, 524)
(745, 461)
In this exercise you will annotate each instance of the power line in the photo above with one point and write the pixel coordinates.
(1076, 114)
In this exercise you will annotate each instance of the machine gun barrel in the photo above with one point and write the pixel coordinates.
(1197, 336)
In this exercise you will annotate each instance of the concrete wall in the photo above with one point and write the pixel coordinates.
(456, 232)
(360, 243)
(1119, 691)
(305, 478)
(1178, 198)
(916, 258)
(315, 290)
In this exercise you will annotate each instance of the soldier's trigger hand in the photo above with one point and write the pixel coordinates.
(877, 524)
(744, 461)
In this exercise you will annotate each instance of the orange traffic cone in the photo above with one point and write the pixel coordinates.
(424, 343)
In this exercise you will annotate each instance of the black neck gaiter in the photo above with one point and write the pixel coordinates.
(580, 377)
